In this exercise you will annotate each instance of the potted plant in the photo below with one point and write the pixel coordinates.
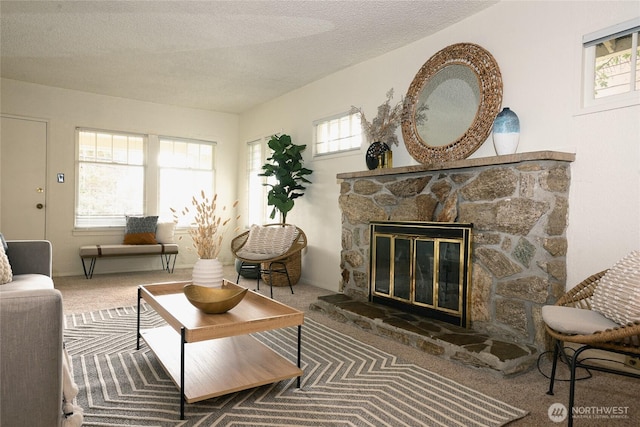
(286, 166)
(207, 233)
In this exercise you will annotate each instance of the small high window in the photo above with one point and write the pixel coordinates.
(612, 63)
(337, 133)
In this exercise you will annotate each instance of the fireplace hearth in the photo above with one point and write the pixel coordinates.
(422, 268)
(457, 344)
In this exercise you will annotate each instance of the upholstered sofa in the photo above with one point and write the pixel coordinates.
(31, 337)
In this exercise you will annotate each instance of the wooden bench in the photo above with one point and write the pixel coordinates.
(93, 252)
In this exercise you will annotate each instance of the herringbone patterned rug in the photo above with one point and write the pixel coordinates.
(345, 383)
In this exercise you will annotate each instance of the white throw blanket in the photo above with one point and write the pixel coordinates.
(71, 414)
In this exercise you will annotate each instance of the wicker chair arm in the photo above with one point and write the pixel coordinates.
(580, 295)
(621, 338)
(238, 242)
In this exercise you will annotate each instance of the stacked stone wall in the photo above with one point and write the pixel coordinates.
(519, 212)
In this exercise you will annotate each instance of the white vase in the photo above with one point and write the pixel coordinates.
(207, 272)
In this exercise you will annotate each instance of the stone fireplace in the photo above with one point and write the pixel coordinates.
(518, 206)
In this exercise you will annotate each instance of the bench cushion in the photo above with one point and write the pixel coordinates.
(97, 251)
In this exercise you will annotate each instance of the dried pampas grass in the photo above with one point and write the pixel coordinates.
(207, 231)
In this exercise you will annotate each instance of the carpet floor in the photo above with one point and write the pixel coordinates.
(346, 383)
(526, 391)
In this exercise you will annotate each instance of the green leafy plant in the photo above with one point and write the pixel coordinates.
(286, 166)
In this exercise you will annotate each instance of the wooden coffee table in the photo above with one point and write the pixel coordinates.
(209, 355)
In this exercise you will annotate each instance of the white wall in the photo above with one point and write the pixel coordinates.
(65, 110)
(538, 48)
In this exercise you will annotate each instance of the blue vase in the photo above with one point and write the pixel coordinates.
(506, 132)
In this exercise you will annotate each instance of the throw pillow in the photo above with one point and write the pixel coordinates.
(140, 230)
(617, 295)
(272, 240)
(6, 275)
(165, 232)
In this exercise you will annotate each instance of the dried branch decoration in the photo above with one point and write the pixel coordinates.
(383, 126)
(208, 228)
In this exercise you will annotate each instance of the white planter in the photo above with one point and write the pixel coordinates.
(208, 272)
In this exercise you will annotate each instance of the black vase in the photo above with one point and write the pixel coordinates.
(375, 153)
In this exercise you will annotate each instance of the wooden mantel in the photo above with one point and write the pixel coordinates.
(466, 163)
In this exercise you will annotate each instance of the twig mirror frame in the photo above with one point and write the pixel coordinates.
(486, 69)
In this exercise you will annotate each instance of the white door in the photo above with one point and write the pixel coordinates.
(23, 164)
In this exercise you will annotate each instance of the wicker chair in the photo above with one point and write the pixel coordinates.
(269, 264)
(619, 340)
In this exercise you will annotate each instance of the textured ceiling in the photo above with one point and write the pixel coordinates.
(224, 56)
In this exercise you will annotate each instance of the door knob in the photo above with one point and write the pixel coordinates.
(39, 206)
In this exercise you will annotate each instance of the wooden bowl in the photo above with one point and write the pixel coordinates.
(213, 300)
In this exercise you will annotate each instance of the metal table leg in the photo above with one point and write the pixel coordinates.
(182, 395)
(299, 348)
(138, 330)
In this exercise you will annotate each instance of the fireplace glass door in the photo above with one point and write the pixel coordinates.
(402, 253)
(424, 271)
(428, 273)
(449, 276)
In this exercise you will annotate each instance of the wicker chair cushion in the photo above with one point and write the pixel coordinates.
(575, 321)
(617, 295)
(249, 256)
(267, 242)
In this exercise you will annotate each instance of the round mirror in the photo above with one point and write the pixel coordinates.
(451, 104)
(453, 97)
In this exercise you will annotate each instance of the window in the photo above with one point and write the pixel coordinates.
(185, 170)
(337, 133)
(256, 191)
(111, 180)
(122, 174)
(257, 212)
(612, 64)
